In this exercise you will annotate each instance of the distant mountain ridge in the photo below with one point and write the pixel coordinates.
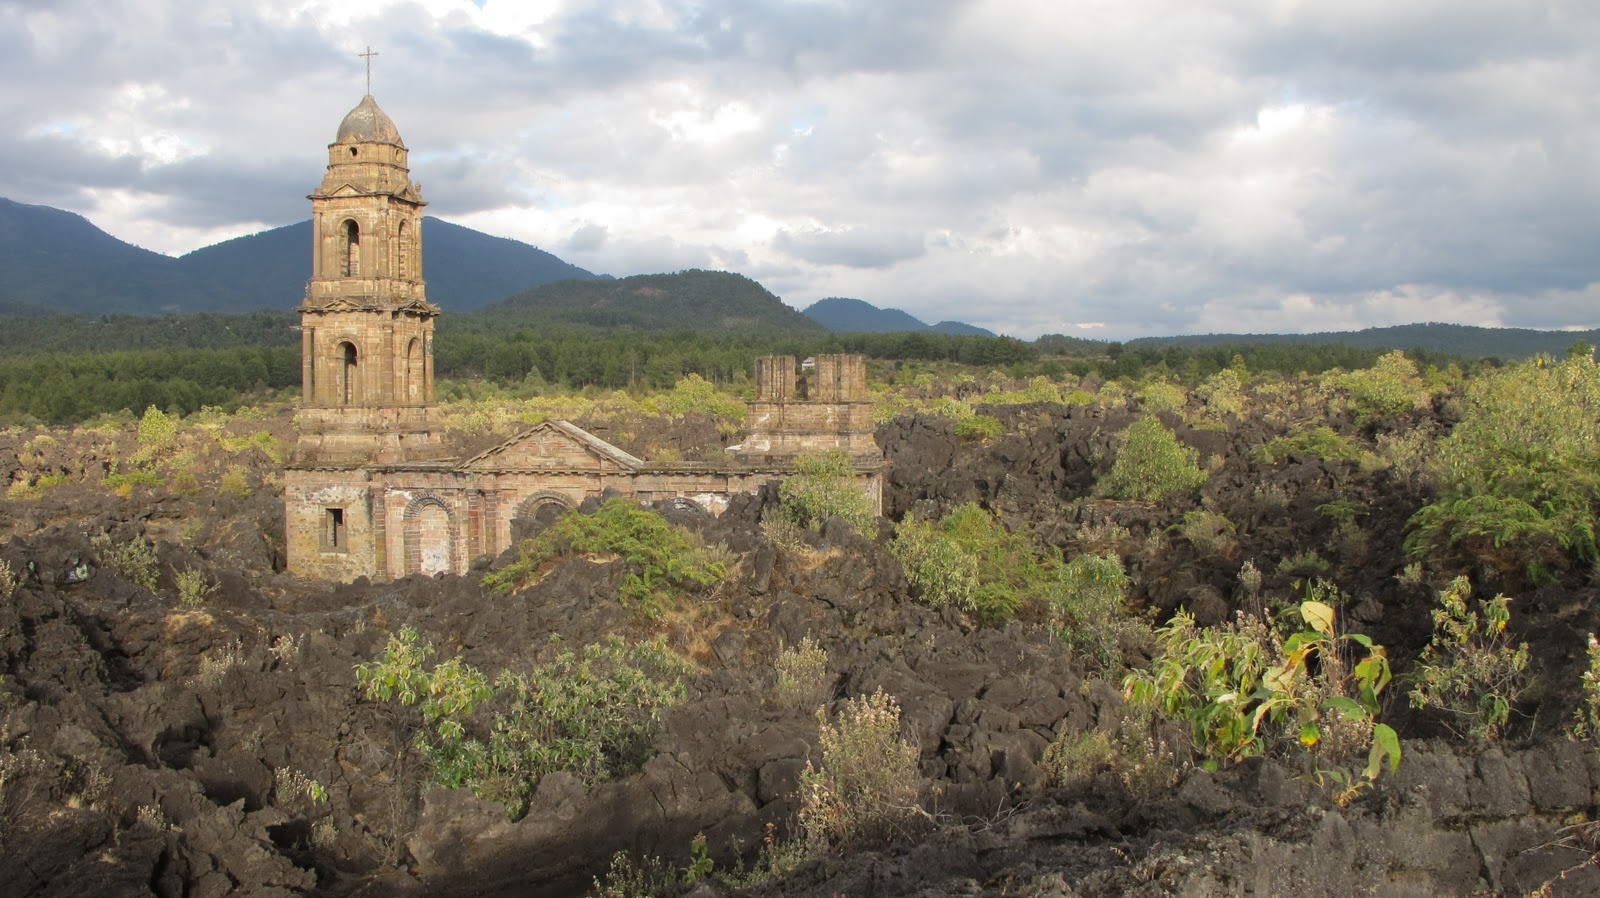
(1459, 339)
(710, 301)
(844, 315)
(61, 262)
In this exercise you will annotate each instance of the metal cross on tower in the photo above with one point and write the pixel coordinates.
(368, 56)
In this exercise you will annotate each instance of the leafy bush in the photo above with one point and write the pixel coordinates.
(1135, 753)
(1161, 396)
(1151, 465)
(1245, 689)
(979, 427)
(659, 557)
(1586, 719)
(1209, 532)
(593, 713)
(123, 483)
(867, 786)
(193, 588)
(693, 393)
(940, 570)
(1087, 609)
(1470, 670)
(1520, 473)
(157, 431)
(1390, 387)
(969, 559)
(1223, 396)
(649, 877)
(135, 559)
(824, 486)
(1321, 442)
(803, 680)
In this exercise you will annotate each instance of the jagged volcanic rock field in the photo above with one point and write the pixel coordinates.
(143, 736)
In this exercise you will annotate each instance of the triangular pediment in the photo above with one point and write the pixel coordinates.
(346, 190)
(554, 445)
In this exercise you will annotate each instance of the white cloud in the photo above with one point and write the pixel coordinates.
(1151, 166)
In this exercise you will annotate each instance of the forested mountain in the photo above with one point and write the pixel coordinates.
(60, 261)
(707, 301)
(465, 269)
(960, 329)
(854, 316)
(1455, 339)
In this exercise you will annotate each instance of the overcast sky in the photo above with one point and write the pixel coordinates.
(1102, 168)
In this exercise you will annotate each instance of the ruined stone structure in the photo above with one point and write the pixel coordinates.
(368, 491)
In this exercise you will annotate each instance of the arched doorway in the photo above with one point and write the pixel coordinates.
(537, 512)
(430, 537)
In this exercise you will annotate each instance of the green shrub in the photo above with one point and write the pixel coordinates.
(1223, 396)
(1390, 387)
(803, 680)
(1306, 563)
(1151, 465)
(1586, 718)
(1161, 396)
(1321, 442)
(157, 431)
(1244, 689)
(1087, 609)
(193, 588)
(823, 486)
(123, 483)
(969, 559)
(695, 394)
(1470, 670)
(1520, 473)
(979, 427)
(940, 570)
(660, 559)
(236, 482)
(593, 713)
(649, 877)
(1135, 753)
(1210, 533)
(868, 785)
(135, 559)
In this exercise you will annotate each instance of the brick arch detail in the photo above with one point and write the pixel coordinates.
(413, 527)
(529, 506)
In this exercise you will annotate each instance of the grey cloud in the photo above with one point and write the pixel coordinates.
(587, 238)
(856, 248)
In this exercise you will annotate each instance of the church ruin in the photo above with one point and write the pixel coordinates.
(369, 491)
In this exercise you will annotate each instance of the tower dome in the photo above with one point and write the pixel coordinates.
(368, 124)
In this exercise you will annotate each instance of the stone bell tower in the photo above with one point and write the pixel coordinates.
(366, 354)
(367, 326)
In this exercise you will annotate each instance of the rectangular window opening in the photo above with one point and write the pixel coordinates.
(333, 532)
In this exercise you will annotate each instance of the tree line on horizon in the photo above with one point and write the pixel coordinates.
(68, 368)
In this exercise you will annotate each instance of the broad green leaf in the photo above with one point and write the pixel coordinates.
(1385, 744)
(1346, 706)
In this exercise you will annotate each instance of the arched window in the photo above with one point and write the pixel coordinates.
(402, 252)
(347, 373)
(413, 372)
(350, 258)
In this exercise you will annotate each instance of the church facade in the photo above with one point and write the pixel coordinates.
(369, 490)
